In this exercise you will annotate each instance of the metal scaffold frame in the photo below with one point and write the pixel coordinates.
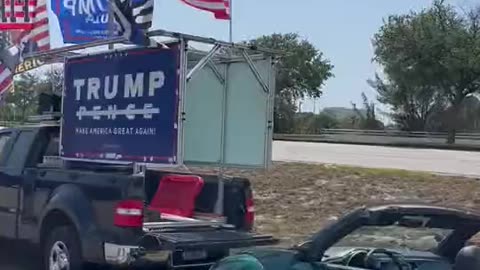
(155, 33)
(221, 52)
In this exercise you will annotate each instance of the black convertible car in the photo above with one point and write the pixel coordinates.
(387, 237)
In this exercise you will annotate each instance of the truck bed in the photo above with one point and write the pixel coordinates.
(199, 245)
(236, 192)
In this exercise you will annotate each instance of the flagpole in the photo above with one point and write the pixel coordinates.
(111, 24)
(219, 207)
(231, 22)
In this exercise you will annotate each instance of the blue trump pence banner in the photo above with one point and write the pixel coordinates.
(122, 107)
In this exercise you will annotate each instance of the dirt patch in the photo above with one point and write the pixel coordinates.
(294, 200)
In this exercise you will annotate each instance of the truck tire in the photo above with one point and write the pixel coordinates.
(61, 250)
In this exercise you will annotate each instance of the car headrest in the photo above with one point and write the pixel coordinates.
(468, 258)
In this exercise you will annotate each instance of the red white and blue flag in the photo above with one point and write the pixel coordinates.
(17, 14)
(36, 38)
(219, 8)
(6, 79)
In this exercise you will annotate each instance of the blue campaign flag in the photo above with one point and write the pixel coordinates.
(122, 107)
(83, 21)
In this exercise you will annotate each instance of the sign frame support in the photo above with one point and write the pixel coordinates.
(207, 60)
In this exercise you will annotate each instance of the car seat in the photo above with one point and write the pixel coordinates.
(176, 195)
(468, 258)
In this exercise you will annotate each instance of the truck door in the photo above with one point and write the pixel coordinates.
(12, 161)
(8, 189)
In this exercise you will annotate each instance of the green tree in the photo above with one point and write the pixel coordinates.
(301, 73)
(437, 48)
(310, 123)
(468, 117)
(23, 99)
(469, 114)
(412, 106)
(53, 81)
(325, 121)
(368, 118)
(50, 83)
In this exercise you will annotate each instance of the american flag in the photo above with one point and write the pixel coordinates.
(220, 8)
(17, 14)
(6, 78)
(36, 39)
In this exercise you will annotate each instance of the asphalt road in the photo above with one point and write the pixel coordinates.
(17, 257)
(428, 160)
(14, 256)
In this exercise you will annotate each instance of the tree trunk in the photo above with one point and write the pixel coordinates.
(453, 122)
(23, 112)
(452, 132)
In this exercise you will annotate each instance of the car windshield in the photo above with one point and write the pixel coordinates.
(395, 237)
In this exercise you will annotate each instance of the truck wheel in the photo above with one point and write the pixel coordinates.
(61, 250)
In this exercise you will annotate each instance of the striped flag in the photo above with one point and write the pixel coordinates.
(134, 18)
(220, 8)
(38, 38)
(17, 14)
(6, 78)
(24, 42)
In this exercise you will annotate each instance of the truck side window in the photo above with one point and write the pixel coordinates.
(19, 152)
(4, 138)
(52, 147)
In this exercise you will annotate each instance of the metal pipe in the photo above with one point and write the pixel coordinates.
(182, 101)
(67, 49)
(230, 25)
(111, 24)
(203, 61)
(217, 73)
(206, 40)
(257, 74)
(154, 33)
(182, 224)
(219, 205)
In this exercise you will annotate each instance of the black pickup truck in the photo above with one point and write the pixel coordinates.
(69, 210)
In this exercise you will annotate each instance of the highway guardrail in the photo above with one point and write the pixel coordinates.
(464, 141)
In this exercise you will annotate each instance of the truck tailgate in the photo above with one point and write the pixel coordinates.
(192, 248)
(210, 239)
